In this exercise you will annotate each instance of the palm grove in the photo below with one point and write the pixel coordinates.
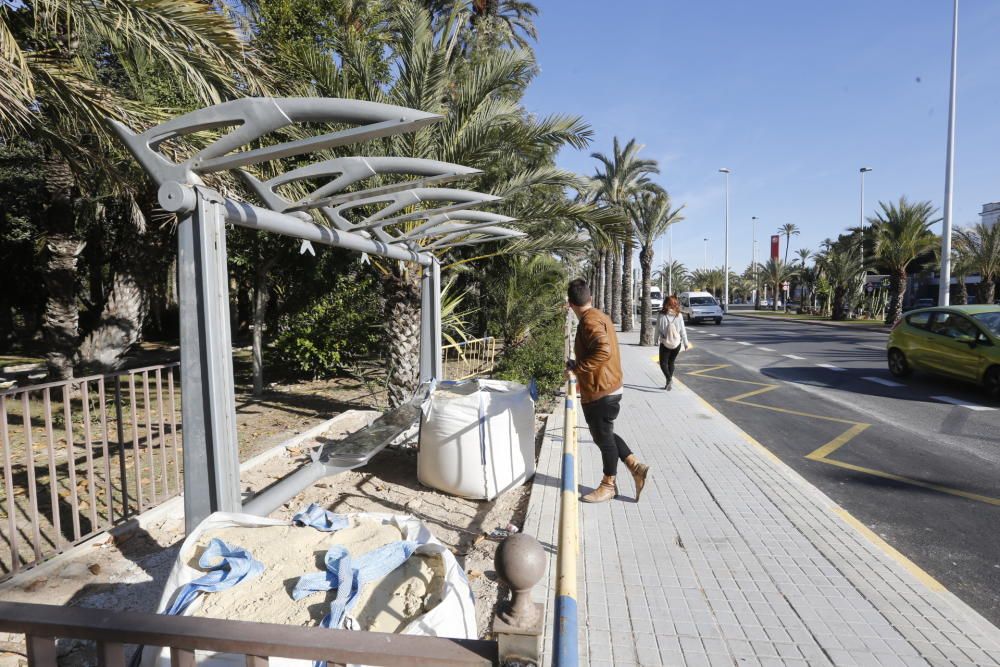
(79, 219)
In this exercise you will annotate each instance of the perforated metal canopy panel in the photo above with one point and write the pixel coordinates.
(408, 212)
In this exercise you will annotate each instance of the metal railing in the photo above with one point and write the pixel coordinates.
(566, 644)
(82, 455)
(258, 642)
(468, 359)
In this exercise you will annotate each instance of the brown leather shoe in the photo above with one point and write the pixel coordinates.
(639, 472)
(606, 490)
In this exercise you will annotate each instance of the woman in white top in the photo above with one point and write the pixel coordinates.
(672, 336)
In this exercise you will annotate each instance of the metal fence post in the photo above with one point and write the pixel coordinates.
(430, 323)
(208, 404)
(121, 445)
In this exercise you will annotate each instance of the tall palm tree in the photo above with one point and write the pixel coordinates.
(777, 272)
(651, 216)
(621, 176)
(484, 127)
(69, 66)
(804, 255)
(901, 233)
(978, 247)
(788, 230)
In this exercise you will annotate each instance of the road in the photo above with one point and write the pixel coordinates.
(917, 461)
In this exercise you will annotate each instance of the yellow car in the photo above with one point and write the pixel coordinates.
(962, 342)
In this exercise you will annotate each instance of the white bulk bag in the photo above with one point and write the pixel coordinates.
(454, 616)
(477, 439)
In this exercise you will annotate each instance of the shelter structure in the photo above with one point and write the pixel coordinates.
(385, 206)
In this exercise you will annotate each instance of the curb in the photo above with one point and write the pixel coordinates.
(876, 329)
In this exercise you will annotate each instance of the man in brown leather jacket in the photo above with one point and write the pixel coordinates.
(598, 370)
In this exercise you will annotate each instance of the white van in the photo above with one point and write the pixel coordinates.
(698, 306)
(655, 302)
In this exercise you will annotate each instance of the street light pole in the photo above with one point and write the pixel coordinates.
(670, 261)
(944, 289)
(725, 264)
(863, 171)
(706, 253)
(756, 285)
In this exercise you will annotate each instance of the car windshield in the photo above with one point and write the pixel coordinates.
(702, 301)
(655, 295)
(989, 320)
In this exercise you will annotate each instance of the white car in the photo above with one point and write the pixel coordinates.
(656, 301)
(698, 306)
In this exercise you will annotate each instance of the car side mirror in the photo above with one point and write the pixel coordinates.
(968, 340)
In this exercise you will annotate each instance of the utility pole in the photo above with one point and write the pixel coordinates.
(756, 284)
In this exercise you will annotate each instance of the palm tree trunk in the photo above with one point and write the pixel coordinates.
(646, 329)
(609, 273)
(402, 334)
(627, 305)
(119, 329)
(839, 296)
(616, 291)
(61, 317)
(962, 298)
(597, 287)
(894, 310)
(986, 290)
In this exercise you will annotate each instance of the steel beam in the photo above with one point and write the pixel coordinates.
(211, 455)
(430, 323)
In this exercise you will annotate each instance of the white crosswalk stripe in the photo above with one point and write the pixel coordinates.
(793, 356)
(766, 349)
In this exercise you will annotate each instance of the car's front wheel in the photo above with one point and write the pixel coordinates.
(718, 320)
(898, 365)
(991, 381)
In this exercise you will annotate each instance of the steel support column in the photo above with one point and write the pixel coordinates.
(430, 323)
(211, 456)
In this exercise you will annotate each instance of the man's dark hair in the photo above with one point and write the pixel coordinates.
(578, 292)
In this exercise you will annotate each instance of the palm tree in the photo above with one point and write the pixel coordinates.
(978, 247)
(54, 89)
(651, 216)
(484, 127)
(788, 230)
(901, 233)
(672, 275)
(843, 268)
(777, 272)
(804, 255)
(619, 179)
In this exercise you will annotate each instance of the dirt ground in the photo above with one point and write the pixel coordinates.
(126, 570)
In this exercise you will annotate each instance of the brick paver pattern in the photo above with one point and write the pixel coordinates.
(731, 558)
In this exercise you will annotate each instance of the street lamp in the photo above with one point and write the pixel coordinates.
(706, 252)
(670, 260)
(756, 284)
(944, 289)
(863, 170)
(725, 264)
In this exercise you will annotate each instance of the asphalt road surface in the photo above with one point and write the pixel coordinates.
(916, 460)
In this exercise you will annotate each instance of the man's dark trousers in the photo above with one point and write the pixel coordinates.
(600, 416)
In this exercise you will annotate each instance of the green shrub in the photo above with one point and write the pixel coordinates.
(540, 357)
(329, 333)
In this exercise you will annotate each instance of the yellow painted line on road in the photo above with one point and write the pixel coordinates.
(822, 453)
(919, 573)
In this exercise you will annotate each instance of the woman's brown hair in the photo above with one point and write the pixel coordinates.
(671, 304)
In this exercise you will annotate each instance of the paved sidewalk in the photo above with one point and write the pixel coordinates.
(732, 558)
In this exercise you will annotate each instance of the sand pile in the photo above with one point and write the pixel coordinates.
(287, 552)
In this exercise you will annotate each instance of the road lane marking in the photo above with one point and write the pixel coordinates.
(793, 356)
(831, 367)
(961, 403)
(822, 454)
(883, 381)
(743, 343)
(873, 347)
(713, 334)
(724, 338)
(766, 349)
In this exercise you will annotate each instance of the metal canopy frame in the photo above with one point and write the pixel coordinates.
(405, 213)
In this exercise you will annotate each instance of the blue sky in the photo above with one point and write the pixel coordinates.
(793, 95)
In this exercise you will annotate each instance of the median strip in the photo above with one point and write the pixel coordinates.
(962, 404)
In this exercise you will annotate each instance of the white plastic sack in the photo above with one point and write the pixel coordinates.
(454, 616)
(477, 439)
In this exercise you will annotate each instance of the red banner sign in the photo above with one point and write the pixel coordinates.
(775, 246)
